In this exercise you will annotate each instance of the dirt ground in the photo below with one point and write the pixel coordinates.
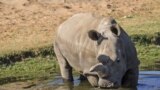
(32, 23)
(27, 24)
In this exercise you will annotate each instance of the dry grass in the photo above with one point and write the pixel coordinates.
(26, 24)
(141, 25)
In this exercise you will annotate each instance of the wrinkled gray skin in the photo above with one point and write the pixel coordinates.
(99, 49)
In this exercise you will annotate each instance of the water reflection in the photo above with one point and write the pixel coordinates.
(148, 80)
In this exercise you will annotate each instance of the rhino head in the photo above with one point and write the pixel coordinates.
(110, 55)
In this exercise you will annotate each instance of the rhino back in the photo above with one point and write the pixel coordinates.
(72, 38)
(77, 25)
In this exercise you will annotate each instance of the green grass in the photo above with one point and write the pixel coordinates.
(149, 55)
(29, 69)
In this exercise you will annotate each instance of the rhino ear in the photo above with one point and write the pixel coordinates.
(115, 28)
(94, 35)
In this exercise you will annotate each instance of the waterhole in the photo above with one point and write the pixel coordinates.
(148, 80)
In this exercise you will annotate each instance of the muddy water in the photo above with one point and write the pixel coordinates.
(148, 80)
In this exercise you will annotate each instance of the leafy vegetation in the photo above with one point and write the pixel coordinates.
(149, 55)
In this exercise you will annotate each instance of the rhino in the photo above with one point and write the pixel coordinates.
(99, 49)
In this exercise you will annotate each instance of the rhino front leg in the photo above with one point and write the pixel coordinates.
(66, 71)
(65, 68)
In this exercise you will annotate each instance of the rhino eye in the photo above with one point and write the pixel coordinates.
(118, 60)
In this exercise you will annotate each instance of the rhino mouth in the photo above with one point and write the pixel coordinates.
(103, 82)
(102, 72)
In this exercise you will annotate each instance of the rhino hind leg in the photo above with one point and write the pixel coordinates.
(65, 68)
(130, 78)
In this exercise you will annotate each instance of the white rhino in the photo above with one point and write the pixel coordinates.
(99, 49)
